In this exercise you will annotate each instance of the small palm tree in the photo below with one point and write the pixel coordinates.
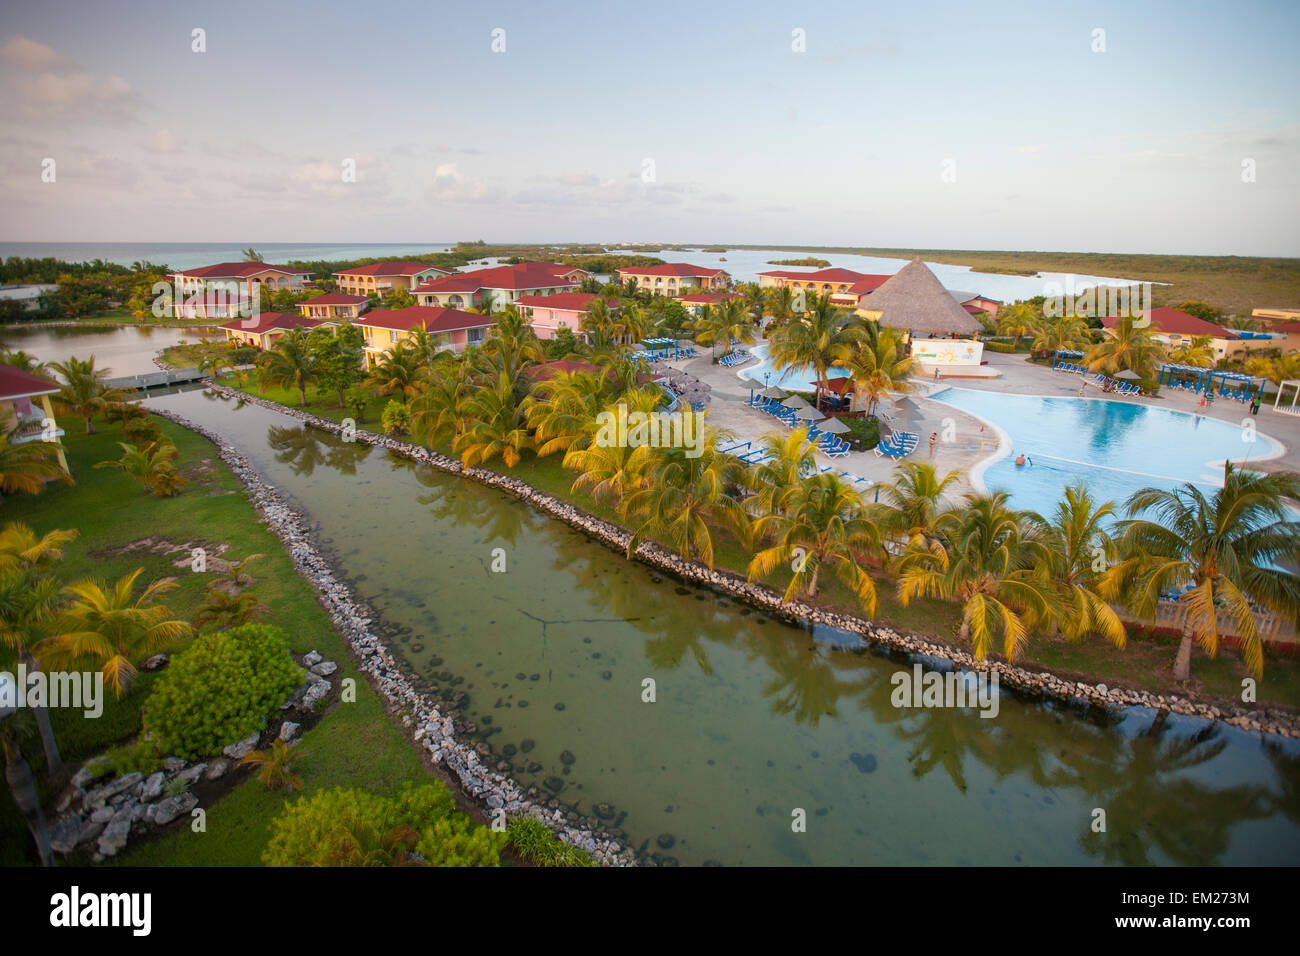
(1069, 333)
(1128, 345)
(817, 341)
(1219, 554)
(154, 465)
(28, 603)
(110, 627)
(1198, 352)
(235, 574)
(877, 366)
(398, 371)
(27, 467)
(85, 391)
(289, 364)
(1079, 552)
(277, 766)
(496, 426)
(914, 502)
(1018, 321)
(221, 610)
(989, 561)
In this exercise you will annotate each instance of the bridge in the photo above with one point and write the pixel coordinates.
(164, 378)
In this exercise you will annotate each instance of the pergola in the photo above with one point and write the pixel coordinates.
(1281, 387)
(1212, 378)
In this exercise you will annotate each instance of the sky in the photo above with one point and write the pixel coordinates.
(1146, 127)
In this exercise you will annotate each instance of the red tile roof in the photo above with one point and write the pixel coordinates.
(15, 383)
(869, 283)
(1179, 323)
(335, 298)
(392, 269)
(826, 275)
(564, 301)
(270, 321)
(672, 269)
(525, 275)
(238, 270)
(432, 318)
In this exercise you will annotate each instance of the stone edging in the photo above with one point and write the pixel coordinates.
(1031, 683)
(420, 714)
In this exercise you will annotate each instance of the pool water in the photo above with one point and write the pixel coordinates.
(1115, 448)
(791, 379)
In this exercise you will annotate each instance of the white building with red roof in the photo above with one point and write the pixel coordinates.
(696, 302)
(674, 279)
(380, 278)
(501, 285)
(230, 288)
(565, 310)
(844, 286)
(1178, 329)
(25, 409)
(455, 329)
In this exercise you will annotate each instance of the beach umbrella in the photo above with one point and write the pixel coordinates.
(834, 426)
(774, 391)
(794, 401)
(808, 414)
(1128, 374)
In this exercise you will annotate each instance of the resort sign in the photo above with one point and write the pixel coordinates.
(948, 351)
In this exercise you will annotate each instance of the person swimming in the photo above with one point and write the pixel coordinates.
(1020, 462)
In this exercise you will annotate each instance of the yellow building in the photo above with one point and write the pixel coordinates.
(845, 287)
(380, 278)
(264, 330)
(338, 306)
(673, 279)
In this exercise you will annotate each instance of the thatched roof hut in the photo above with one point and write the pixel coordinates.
(914, 298)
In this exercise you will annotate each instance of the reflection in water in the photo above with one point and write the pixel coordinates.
(753, 717)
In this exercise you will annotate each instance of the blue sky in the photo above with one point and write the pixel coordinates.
(656, 121)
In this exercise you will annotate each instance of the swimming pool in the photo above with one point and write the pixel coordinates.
(791, 379)
(1115, 448)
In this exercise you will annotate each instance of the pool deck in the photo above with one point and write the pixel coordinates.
(972, 443)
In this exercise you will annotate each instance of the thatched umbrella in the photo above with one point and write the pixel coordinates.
(914, 298)
(774, 391)
(834, 426)
(808, 414)
(1128, 375)
(795, 401)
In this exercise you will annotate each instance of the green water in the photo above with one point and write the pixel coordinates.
(754, 718)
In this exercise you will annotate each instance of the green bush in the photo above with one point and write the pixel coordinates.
(420, 826)
(535, 843)
(220, 690)
(245, 355)
(396, 418)
(863, 433)
(140, 756)
(1003, 347)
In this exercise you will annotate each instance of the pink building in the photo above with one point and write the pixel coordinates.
(564, 310)
(454, 329)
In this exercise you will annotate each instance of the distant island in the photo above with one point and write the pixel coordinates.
(809, 261)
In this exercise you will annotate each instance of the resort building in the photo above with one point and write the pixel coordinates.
(696, 302)
(380, 278)
(977, 304)
(674, 279)
(239, 278)
(334, 305)
(500, 285)
(1271, 316)
(1281, 322)
(844, 286)
(25, 410)
(942, 333)
(1178, 329)
(565, 310)
(452, 328)
(213, 304)
(265, 329)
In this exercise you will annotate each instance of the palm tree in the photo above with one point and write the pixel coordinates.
(27, 605)
(1079, 550)
(684, 497)
(1069, 333)
(725, 322)
(26, 467)
(222, 610)
(289, 364)
(235, 574)
(1219, 552)
(819, 340)
(496, 426)
(824, 525)
(609, 472)
(154, 465)
(914, 502)
(109, 626)
(781, 302)
(989, 561)
(85, 391)
(1199, 352)
(563, 414)
(1276, 370)
(437, 416)
(755, 298)
(252, 255)
(1018, 321)
(790, 459)
(1126, 346)
(398, 371)
(22, 360)
(877, 366)
(277, 766)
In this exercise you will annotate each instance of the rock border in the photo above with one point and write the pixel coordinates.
(1027, 682)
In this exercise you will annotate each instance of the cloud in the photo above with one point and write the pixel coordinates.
(449, 185)
(162, 142)
(40, 86)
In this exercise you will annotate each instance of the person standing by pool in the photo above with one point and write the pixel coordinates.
(1083, 386)
(934, 436)
(1254, 405)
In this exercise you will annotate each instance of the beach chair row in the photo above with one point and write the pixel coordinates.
(738, 357)
(898, 445)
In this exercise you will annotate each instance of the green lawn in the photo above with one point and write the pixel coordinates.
(355, 745)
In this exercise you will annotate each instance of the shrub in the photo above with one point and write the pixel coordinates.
(141, 755)
(220, 690)
(245, 355)
(864, 433)
(1004, 347)
(396, 418)
(419, 827)
(535, 843)
(277, 766)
